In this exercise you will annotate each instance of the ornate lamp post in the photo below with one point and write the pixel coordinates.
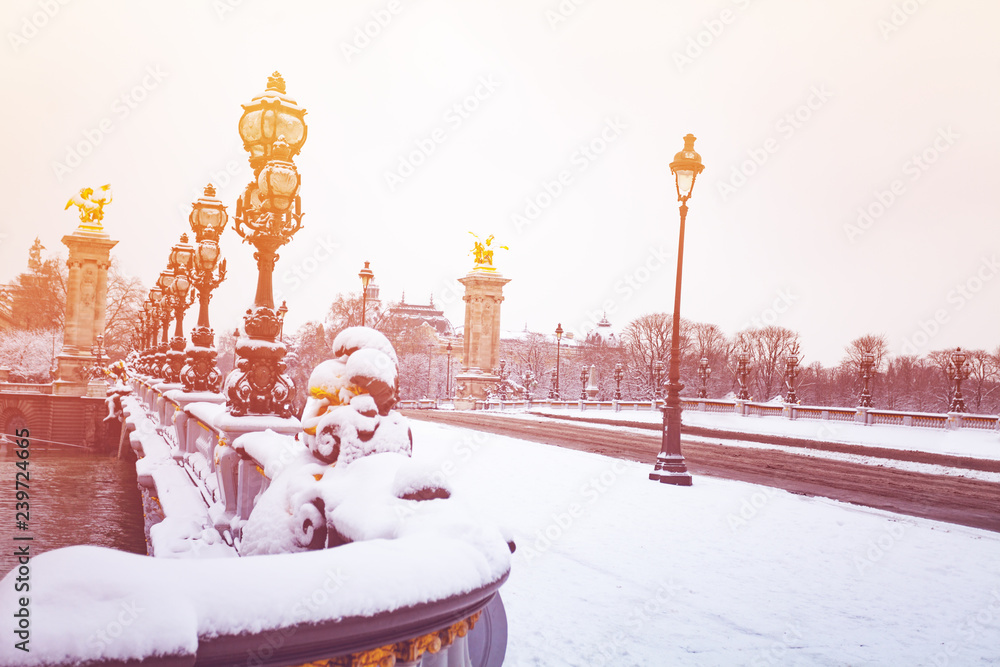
(268, 214)
(559, 333)
(619, 376)
(670, 468)
(164, 308)
(704, 372)
(180, 265)
(959, 372)
(791, 373)
(447, 380)
(502, 374)
(282, 311)
(657, 380)
(97, 349)
(366, 275)
(528, 378)
(743, 375)
(867, 373)
(552, 385)
(207, 219)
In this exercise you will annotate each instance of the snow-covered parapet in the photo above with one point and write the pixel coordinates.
(352, 479)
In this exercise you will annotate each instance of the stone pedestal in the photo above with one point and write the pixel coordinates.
(481, 347)
(86, 299)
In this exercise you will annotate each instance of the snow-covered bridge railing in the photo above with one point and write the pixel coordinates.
(870, 416)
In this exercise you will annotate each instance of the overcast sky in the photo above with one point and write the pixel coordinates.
(806, 113)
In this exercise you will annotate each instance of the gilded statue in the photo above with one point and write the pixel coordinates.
(484, 251)
(91, 206)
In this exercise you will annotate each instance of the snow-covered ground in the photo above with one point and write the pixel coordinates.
(614, 569)
(976, 443)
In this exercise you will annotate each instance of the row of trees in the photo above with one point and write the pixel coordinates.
(908, 382)
(35, 306)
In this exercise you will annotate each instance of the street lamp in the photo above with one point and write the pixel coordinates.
(867, 373)
(559, 333)
(552, 385)
(959, 372)
(670, 467)
(282, 311)
(583, 383)
(619, 376)
(164, 303)
(447, 380)
(743, 376)
(180, 265)
(268, 215)
(704, 372)
(207, 219)
(366, 276)
(791, 373)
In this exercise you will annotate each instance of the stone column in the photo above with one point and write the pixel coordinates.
(86, 299)
(481, 347)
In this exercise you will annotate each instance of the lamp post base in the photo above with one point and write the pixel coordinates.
(671, 470)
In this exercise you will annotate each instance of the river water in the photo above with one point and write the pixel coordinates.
(75, 498)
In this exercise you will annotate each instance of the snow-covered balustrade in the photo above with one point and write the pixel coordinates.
(315, 541)
(950, 420)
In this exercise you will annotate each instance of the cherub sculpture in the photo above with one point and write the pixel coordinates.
(91, 205)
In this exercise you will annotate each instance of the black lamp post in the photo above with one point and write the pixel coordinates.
(180, 265)
(208, 218)
(619, 376)
(559, 333)
(552, 384)
(269, 213)
(583, 383)
(791, 373)
(867, 373)
(959, 372)
(447, 380)
(743, 375)
(670, 467)
(366, 276)
(704, 372)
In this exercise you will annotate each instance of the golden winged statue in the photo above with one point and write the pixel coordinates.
(91, 206)
(484, 252)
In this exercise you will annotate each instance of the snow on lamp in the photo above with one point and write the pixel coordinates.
(268, 215)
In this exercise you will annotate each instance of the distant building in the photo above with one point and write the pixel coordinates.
(416, 314)
(604, 332)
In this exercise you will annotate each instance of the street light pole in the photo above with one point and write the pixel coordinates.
(366, 275)
(960, 373)
(670, 467)
(559, 333)
(447, 380)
